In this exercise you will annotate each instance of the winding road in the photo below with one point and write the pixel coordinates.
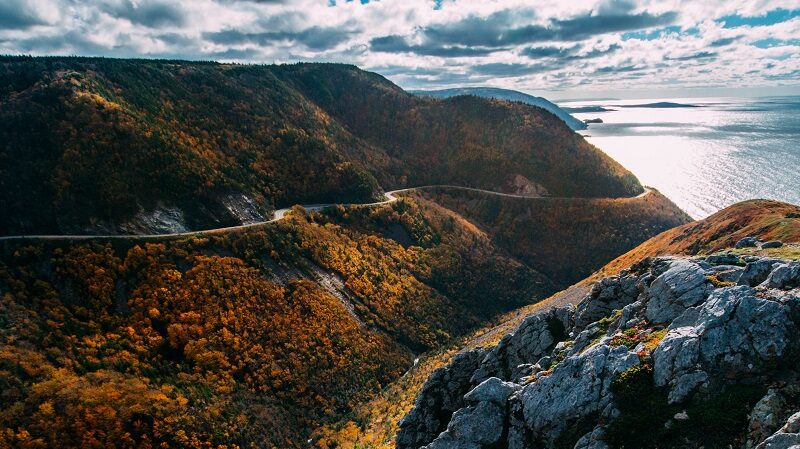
(280, 214)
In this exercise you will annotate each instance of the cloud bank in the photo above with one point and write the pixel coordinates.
(591, 46)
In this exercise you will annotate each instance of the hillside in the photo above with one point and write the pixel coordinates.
(245, 338)
(93, 145)
(567, 239)
(763, 219)
(510, 95)
(272, 331)
(376, 422)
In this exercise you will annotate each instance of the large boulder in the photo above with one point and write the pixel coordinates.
(757, 271)
(788, 437)
(607, 295)
(784, 276)
(747, 242)
(577, 388)
(682, 286)
(733, 333)
(533, 339)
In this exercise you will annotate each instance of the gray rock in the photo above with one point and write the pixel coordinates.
(747, 242)
(578, 387)
(440, 397)
(492, 390)
(593, 439)
(766, 417)
(727, 273)
(757, 272)
(788, 437)
(732, 333)
(715, 338)
(475, 426)
(785, 276)
(724, 259)
(607, 295)
(532, 340)
(772, 244)
(682, 286)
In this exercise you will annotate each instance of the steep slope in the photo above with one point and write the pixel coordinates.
(763, 219)
(376, 422)
(510, 95)
(245, 338)
(567, 239)
(665, 355)
(92, 145)
(468, 141)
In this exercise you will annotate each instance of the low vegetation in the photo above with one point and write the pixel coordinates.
(764, 219)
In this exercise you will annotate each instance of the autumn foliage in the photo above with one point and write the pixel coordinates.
(236, 340)
(86, 144)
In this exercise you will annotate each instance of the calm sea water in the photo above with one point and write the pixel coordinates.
(707, 157)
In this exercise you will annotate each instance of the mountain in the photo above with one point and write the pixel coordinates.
(268, 335)
(99, 146)
(708, 243)
(239, 339)
(510, 95)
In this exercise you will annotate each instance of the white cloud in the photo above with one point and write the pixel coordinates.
(558, 45)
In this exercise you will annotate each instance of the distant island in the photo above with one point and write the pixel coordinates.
(581, 109)
(593, 120)
(660, 105)
(510, 95)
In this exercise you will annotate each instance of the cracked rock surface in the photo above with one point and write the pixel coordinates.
(673, 352)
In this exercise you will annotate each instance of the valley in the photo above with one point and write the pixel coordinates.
(199, 254)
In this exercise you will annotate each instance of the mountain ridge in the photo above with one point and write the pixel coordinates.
(98, 145)
(510, 95)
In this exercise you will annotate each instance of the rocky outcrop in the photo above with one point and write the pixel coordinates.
(676, 334)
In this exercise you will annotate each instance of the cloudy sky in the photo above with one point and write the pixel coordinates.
(558, 48)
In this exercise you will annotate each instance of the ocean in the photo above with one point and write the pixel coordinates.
(703, 153)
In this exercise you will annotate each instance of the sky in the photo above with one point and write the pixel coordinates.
(557, 48)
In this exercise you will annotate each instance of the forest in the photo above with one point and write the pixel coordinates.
(88, 144)
(232, 340)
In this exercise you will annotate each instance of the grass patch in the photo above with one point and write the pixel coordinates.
(717, 283)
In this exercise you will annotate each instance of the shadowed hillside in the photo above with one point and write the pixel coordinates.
(92, 145)
(764, 219)
(565, 238)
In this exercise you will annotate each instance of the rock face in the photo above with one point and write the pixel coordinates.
(676, 334)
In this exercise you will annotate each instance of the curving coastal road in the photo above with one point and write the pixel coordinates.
(280, 214)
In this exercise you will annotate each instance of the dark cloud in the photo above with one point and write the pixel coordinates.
(233, 53)
(503, 70)
(567, 53)
(315, 38)
(477, 36)
(17, 15)
(398, 44)
(499, 29)
(725, 41)
(153, 14)
(694, 56)
(617, 69)
(71, 42)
